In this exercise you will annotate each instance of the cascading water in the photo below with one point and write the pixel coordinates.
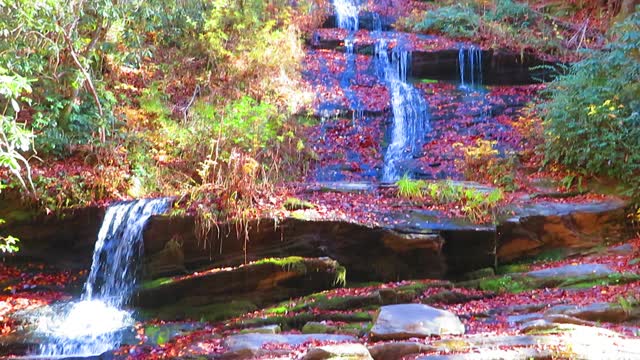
(409, 107)
(470, 62)
(95, 323)
(347, 17)
(410, 117)
(347, 12)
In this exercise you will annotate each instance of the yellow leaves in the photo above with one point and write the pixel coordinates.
(608, 105)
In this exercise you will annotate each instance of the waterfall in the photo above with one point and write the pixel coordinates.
(347, 17)
(347, 12)
(95, 324)
(410, 118)
(470, 61)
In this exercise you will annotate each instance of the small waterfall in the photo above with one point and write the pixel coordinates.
(470, 62)
(347, 17)
(410, 118)
(95, 324)
(347, 12)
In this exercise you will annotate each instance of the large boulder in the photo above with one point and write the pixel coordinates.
(404, 321)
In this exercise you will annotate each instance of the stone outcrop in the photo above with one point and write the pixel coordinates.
(260, 283)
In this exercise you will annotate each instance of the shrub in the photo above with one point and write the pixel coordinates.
(476, 205)
(483, 163)
(512, 12)
(457, 21)
(592, 121)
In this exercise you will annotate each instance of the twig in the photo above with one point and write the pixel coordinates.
(82, 70)
(185, 111)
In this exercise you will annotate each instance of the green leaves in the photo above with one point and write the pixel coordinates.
(592, 123)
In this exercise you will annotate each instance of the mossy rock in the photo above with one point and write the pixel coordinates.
(513, 269)
(408, 293)
(211, 312)
(589, 282)
(298, 320)
(315, 327)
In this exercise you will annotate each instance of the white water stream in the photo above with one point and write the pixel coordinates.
(95, 324)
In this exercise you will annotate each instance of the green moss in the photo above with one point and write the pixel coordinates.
(157, 282)
(292, 204)
(277, 310)
(297, 321)
(550, 255)
(591, 281)
(291, 263)
(341, 276)
(314, 327)
(211, 312)
(513, 268)
(507, 284)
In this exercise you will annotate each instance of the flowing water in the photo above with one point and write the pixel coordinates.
(470, 63)
(410, 117)
(96, 323)
(347, 12)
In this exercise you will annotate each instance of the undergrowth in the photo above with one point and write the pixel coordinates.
(477, 205)
(592, 121)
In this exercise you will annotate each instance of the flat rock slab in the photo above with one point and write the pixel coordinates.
(561, 209)
(404, 321)
(572, 271)
(352, 351)
(344, 187)
(261, 282)
(604, 312)
(251, 345)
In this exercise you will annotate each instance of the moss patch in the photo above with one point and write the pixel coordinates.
(590, 281)
(291, 263)
(507, 284)
(211, 312)
(513, 268)
(157, 282)
(293, 204)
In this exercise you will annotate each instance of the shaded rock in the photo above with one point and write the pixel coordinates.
(339, 352)
(261, 282)
(401, 242)
(397, 350)
(250, 345)
(572, 271)
(408, 293)
(403, 321)
(451, 297)
(65, 239)
(370, 258)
